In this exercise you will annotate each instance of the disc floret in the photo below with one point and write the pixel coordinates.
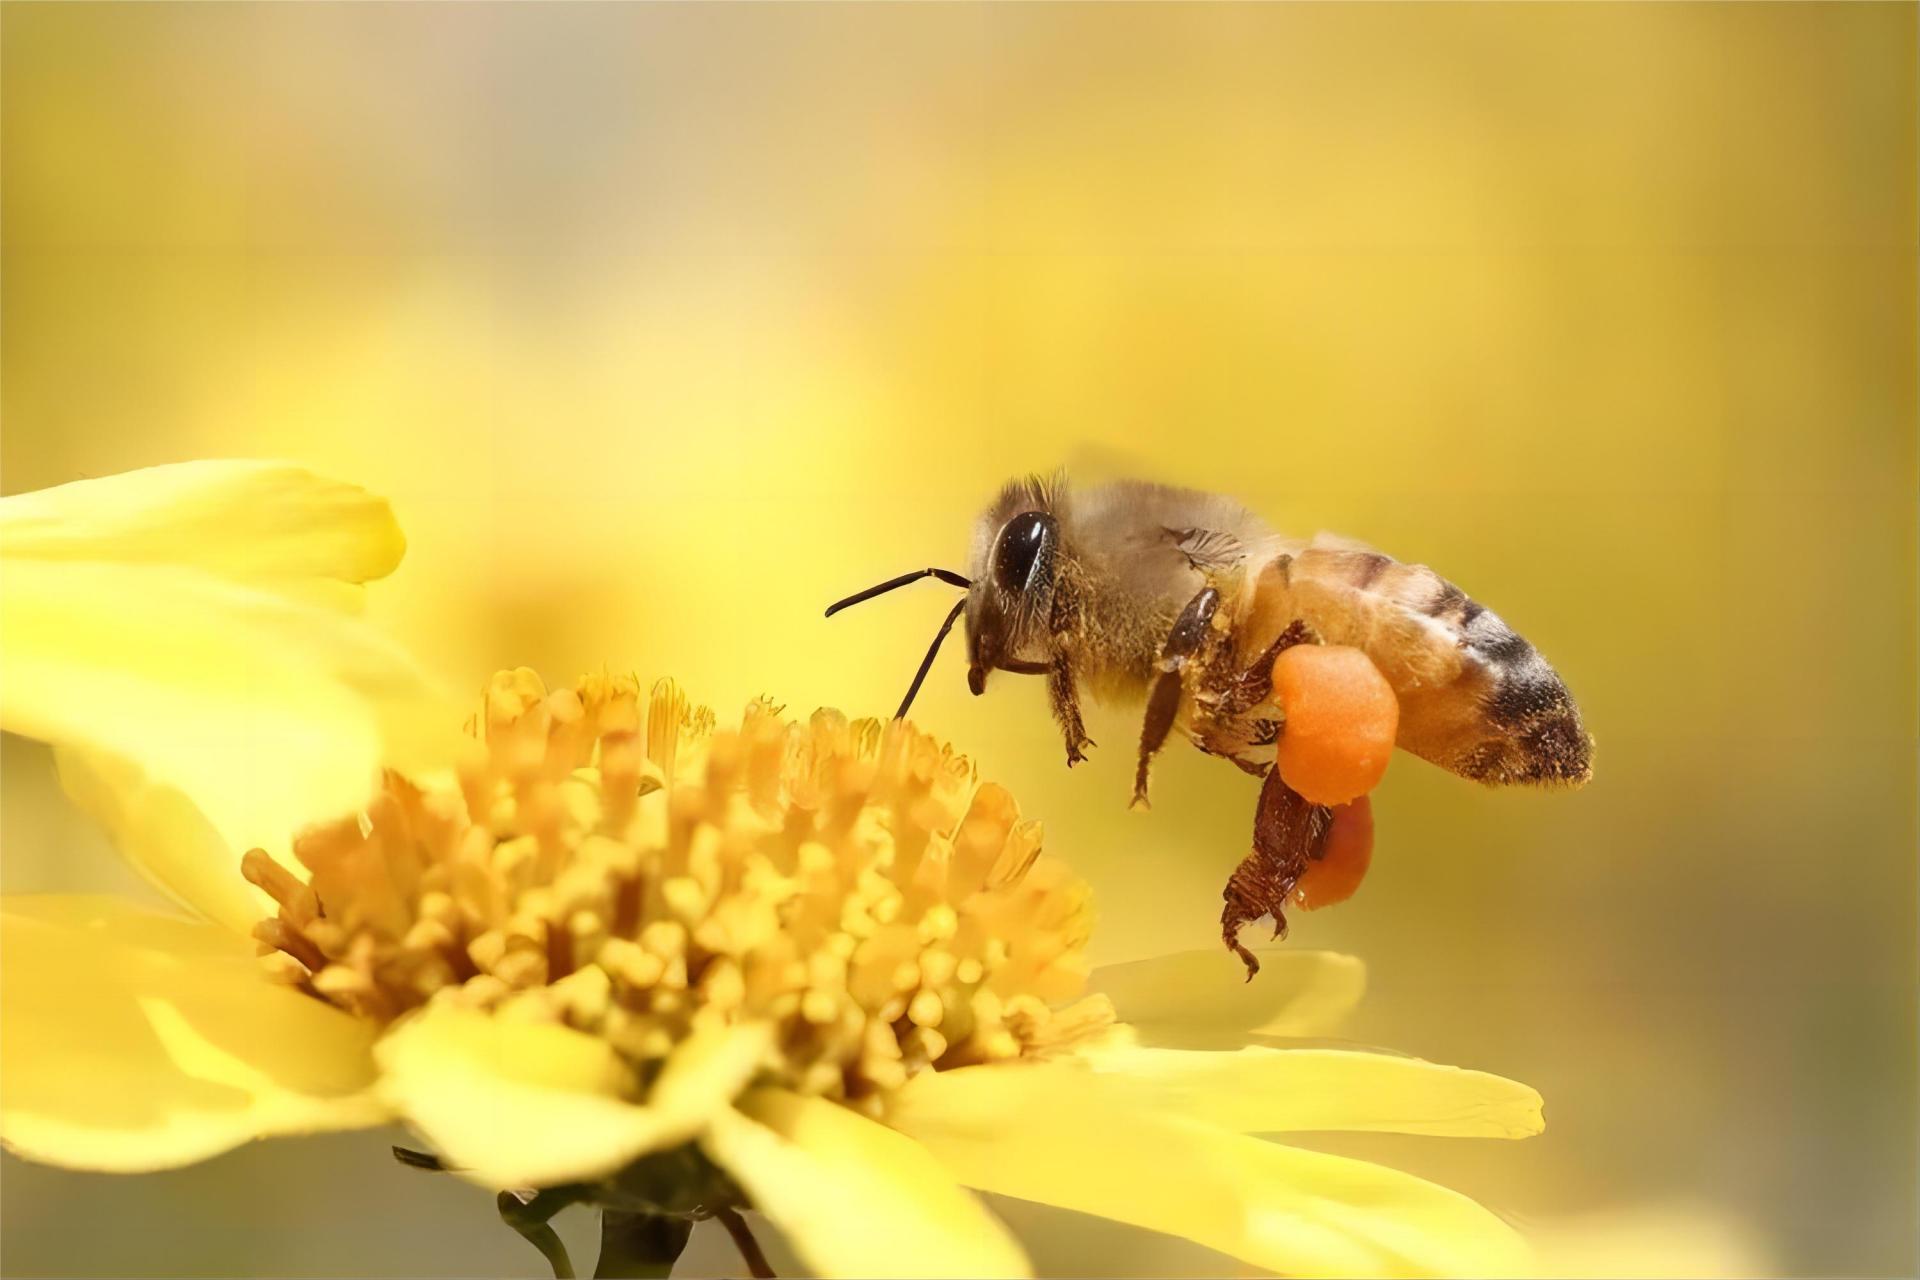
(614, 863)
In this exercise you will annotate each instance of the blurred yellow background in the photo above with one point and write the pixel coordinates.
(664, 326)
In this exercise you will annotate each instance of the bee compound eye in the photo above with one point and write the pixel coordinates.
(1025, 547)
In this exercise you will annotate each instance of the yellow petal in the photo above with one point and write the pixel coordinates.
(707, 1071)
(268, 713)
(523, 1104)
(1265, 1090)
(256, 521)
(1050, 1134)
(854, 1197)
(1202, 999)
(164, 836)
(131, 1040)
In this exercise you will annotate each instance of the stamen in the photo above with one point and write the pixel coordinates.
(615, 864)
(298, 905)
(280, 935)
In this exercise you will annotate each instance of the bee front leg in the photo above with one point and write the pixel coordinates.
(1066, 709)
(1163, 703)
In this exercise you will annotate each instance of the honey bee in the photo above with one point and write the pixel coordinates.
(1180, 600)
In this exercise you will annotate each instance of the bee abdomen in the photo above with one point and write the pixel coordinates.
(1538, 736)
(1475, 697)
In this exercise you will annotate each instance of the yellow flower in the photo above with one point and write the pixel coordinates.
(186, 630)
(812, 968)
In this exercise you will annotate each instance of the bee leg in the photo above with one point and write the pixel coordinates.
(1163, 703)
(1233, 714)
(530, 1213)
(1254, 685)
(1288, 832)
(1066, 709)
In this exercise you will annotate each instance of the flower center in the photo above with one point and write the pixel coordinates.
(631, 875)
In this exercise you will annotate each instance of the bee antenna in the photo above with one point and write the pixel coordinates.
(926, 663)
(947, 576)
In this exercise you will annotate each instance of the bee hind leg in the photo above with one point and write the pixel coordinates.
(1289, 831)
(1163, 702)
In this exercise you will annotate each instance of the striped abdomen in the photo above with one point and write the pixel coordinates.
(1475, 698)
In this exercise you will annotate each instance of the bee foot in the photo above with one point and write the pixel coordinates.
(1251, 892)
(1246, 957)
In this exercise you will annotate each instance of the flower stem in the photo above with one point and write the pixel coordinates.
(743, 1241)
(639, 1244)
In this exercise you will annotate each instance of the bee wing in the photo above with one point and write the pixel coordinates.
(1207, 549)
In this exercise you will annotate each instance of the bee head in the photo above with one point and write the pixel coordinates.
(1012, 597)
(1016, 549)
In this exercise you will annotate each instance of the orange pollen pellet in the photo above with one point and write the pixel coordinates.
(1341, 719)
(1343, 860)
